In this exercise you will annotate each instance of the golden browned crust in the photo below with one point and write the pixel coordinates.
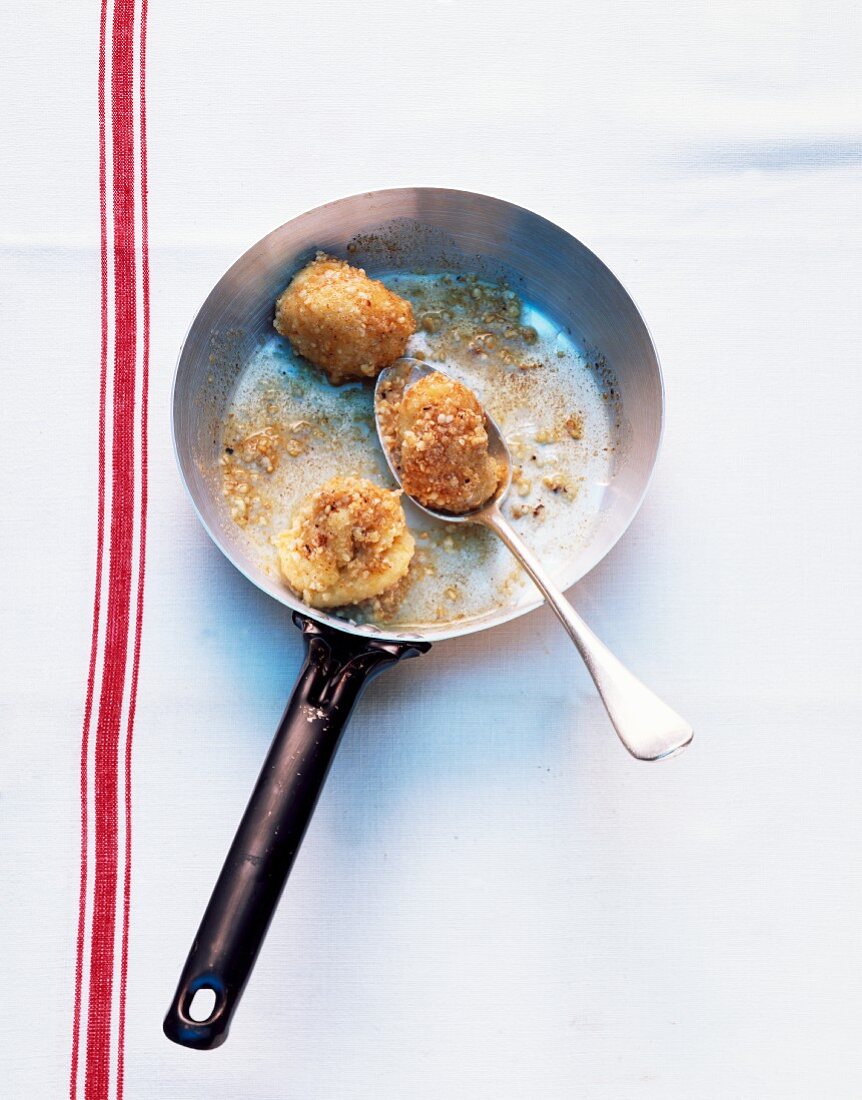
(444, 460)
(348, 542)
(342, 321)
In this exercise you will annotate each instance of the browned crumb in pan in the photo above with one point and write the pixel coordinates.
(250, 456)
(562, 484)
(246, 462)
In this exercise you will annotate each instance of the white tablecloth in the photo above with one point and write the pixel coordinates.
(503, 905)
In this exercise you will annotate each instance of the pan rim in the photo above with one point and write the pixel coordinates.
(431, 633)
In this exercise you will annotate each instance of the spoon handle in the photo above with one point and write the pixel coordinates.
(648, 728)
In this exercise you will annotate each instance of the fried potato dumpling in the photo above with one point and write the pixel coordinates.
(348, 542)
(444, 456)
(345, 323)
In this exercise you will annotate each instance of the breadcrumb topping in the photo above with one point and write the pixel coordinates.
(575, 425)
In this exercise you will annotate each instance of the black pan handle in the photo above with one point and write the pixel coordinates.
(337, 667)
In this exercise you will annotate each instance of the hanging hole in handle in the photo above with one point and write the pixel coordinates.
(202, 1004)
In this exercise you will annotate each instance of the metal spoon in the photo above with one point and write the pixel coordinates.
(648, 728)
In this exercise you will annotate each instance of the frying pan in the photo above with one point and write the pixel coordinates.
(412, 229)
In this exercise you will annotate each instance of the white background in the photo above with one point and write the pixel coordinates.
(493, 900)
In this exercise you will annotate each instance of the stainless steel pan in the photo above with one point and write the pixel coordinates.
(411, 229)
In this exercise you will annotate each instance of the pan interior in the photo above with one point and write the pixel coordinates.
(459, 573)
(598, 358)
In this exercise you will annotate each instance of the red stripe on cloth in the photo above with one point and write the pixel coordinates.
(120, 560)
(142, 555)
(100, 545)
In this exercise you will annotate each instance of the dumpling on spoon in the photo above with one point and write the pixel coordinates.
(443, 446)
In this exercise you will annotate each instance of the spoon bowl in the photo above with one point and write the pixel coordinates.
(648, 727)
